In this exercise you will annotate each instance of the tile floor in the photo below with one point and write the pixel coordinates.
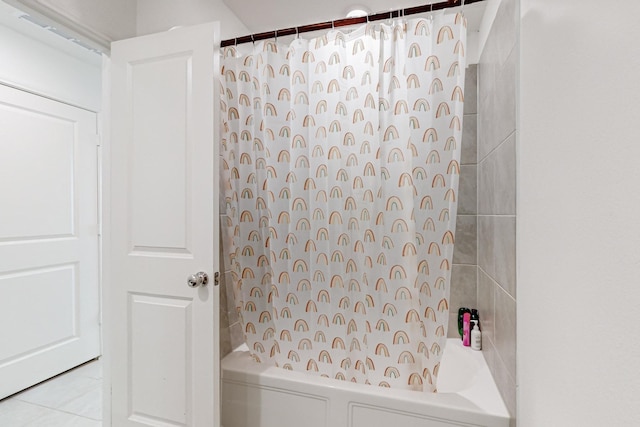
(73, 399)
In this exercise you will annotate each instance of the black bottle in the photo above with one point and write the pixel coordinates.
(475, 318)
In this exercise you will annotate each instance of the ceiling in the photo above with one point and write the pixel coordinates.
(260, 15)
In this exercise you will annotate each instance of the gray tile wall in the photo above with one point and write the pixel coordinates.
(464, 274)
(497, 138)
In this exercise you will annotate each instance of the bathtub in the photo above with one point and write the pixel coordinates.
(255, 395)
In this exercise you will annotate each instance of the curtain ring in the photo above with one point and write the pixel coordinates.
(252, 40)
(275, 34)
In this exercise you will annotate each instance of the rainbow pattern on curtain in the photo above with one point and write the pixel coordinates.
(340, 167)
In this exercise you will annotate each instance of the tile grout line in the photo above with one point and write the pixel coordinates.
(500, 144)
(67, 374)
(497, 283)
(57, 410)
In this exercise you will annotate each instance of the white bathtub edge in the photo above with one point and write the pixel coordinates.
(479, 402)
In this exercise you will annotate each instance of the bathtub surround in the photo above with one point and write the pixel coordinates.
(255, 395)
(497, 138)
(342, 228)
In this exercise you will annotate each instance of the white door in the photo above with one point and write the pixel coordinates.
(49, 289)
(163, 228)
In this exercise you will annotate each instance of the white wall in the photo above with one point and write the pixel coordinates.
(160, 15)
(32, 65)
(100, 21)
(579, 214)
(489, 15)
(114, 18)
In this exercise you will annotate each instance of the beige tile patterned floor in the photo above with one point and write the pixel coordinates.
(73, 399)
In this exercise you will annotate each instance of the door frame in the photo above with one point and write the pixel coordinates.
(104, 130)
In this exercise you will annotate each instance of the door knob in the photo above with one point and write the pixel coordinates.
(198, 279)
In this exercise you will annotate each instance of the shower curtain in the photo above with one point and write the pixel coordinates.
(340, 160)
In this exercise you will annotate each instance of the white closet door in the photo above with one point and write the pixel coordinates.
(49, 289)
(164, 228)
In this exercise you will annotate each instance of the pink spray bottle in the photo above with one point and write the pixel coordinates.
(466, 329)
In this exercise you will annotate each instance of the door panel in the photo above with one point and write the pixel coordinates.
(49, 285)
(46, 210)
(167, 351)
(55, 301)
(163, 228)
(165, 205)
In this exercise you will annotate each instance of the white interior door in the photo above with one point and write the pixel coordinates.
(164, 228)
(49, 288)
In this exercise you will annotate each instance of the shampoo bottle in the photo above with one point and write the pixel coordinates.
(476, 338)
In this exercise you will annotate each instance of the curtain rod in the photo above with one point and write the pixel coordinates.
(346, 21)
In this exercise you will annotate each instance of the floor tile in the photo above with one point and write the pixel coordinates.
(87, 405)
(16, 413)
(58, 391)
(91, 369)
(73, 399)
(55, 418)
